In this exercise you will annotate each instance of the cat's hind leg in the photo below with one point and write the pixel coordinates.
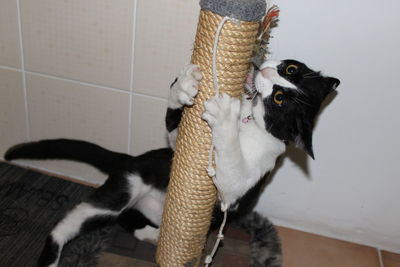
(136, 223)
(83, 218)
(100, 209)
(144, 220)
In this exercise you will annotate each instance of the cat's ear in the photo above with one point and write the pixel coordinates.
(332, 83)
(304, 138)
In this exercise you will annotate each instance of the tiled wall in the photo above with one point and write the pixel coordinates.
(95, 70)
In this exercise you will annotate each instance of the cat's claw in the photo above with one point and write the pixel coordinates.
(186, 87)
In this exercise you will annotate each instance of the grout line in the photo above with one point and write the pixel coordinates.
(76, 82)
(130, 124)
(150, 96)
(27, 119)
(10, 68)
(84, 83)
(380, 257)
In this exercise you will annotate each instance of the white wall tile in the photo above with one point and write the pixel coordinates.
(9, 34)
(148, 124)
(165, 32)
(59, 108)
(12, 110)
(87, 40)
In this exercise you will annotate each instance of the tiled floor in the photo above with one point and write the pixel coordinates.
(390, 259)
(300, 249)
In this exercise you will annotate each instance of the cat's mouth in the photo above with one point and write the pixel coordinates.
(268, 70)
(250, 82)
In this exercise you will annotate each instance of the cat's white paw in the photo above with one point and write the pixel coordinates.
(148, 234)
(222, 114)
(221, 109)
(186, 87)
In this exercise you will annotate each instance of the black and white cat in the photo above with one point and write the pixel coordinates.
(248, 135)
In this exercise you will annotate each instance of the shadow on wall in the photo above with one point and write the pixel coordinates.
(298, 156)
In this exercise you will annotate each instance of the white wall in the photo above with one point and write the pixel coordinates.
(351, 190)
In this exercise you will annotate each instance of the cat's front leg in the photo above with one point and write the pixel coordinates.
(182, 92)
(222, 114)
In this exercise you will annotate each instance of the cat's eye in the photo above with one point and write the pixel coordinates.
(279, 97)
(291, 69)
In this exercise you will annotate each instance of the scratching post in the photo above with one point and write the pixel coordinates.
(191, 193)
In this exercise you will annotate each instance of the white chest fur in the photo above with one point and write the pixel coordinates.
(244, 151)
(147, 199)
(260, 149)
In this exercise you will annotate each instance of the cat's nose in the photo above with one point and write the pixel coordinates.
(270, 64)
(268, 72)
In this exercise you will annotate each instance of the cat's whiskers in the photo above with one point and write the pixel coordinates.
(311, 75)
(300, 101)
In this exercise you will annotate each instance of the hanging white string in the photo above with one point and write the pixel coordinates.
(220, 237)
(210, 168)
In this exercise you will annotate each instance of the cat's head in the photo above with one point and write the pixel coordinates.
(292, 95)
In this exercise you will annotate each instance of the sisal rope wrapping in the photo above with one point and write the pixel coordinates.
(191, 193)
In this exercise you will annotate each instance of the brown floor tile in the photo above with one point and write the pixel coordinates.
(124, 244)
(231, 260)
(229, 245)
(238, 234)
(302, 249)
(231, 253)
(227, 259)
(108, 260)
(390, 259)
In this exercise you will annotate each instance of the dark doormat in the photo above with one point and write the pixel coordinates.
(31, 203)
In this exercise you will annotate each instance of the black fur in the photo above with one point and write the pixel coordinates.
(49, 253)
(97, 222)
(293, 120)
(76, 150)
(153, 166)
(112, 195)
(132, 219)
(173, 118)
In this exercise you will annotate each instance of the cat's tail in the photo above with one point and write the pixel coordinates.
(265, 246)
(105, 160)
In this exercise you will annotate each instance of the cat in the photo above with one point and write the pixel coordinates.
(248, 134)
